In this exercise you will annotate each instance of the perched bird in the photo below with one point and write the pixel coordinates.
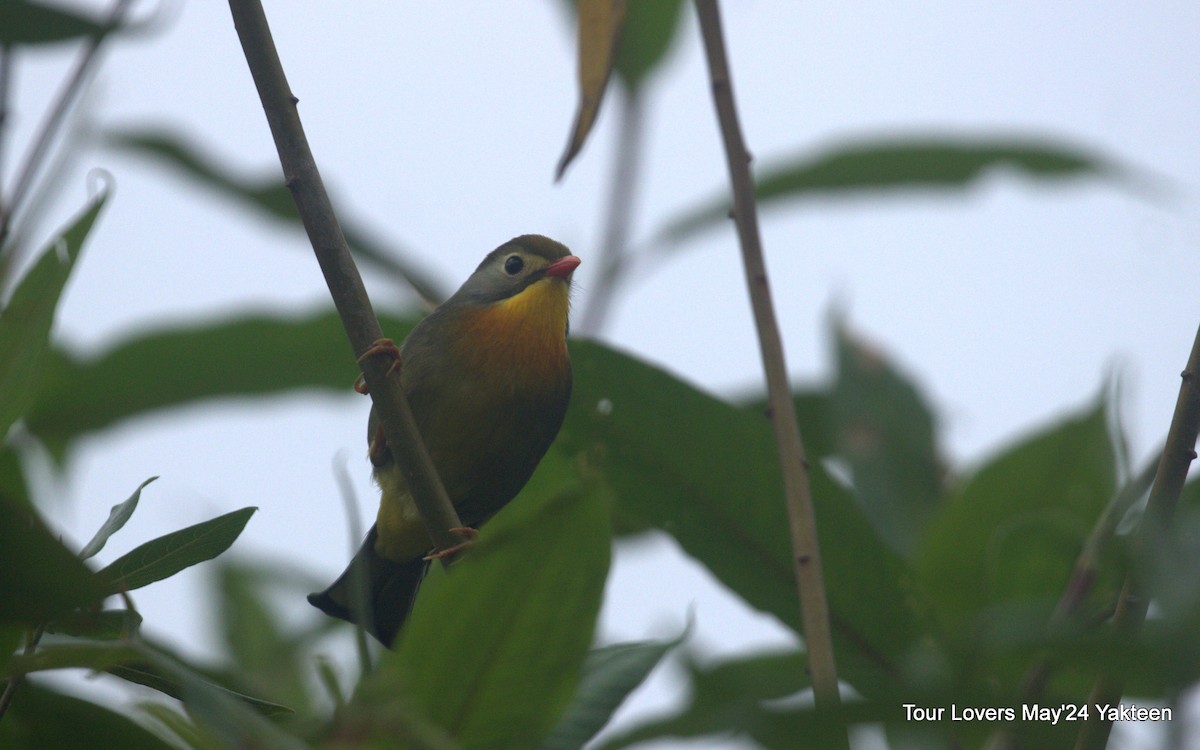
(488, 378)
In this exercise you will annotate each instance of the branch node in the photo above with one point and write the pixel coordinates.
(814, 607)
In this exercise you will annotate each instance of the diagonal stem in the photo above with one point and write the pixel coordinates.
(814, 610)
(341, 275)
(1177, 457)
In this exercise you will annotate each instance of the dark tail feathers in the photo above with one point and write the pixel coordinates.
(374, 591)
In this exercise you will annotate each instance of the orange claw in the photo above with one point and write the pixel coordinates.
(380, 346)
(441, 554)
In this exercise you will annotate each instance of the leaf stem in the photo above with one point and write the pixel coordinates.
(1177, 456)
(341, 275)
(814, 609)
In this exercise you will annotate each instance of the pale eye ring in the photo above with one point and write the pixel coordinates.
(513, 265)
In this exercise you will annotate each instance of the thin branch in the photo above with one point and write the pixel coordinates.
(56, 115)
(814, 610)
(345, 285)
(1177, 457)
(614, 247)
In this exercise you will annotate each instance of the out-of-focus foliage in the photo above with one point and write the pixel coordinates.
(944, 582)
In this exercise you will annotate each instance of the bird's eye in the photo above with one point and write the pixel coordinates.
(513, 265)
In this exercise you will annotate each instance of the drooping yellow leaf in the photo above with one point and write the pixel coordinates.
(600, 23)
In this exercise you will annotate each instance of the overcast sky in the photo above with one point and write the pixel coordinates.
(439, 125)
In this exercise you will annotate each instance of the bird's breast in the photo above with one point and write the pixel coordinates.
(519, 342)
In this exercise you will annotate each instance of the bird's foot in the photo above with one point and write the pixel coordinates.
(380, 346)
(441, 554)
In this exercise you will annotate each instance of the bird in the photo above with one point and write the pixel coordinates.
(488, 378)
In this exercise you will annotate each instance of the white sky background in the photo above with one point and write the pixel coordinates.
(439, 125)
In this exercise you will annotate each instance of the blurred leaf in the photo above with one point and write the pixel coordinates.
(117, 518)
(152, 675)
(95, 656)
(181, 727)
(25, 322)
(267, 661)
(599, 25)
(103, 625)
(167, 555)
(40, 579)
(610, 674)
(12, 477)
(269, 196)
(492, 652)
(706, 473)
(223, 713)
(1012, 531)
(10, 639)
(136, 662)
(886, 434)
(186, 364)
(650, 28)
(24, 22)
(946, 162)
(730, 697)
(1167, 563)
(42, 719)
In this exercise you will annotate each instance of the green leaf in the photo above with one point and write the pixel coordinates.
(40, 718)
(226, 715)
(152, 675)
(181, 727)
(706, 473)
(96, 656)
(270, 197)
(10, 639)
(24, 22)
(729, 697)
(117, 518)
(493, 650)
(268, 662)
(650, 29)
(1011, 532)
(40, 579)
(610, 674)
(108, 624)
(12, 477)
(25, 322)
(889, 163)
(814, 415)
(139, 663)
(167, 555)
(886, 434)
(187, 364)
